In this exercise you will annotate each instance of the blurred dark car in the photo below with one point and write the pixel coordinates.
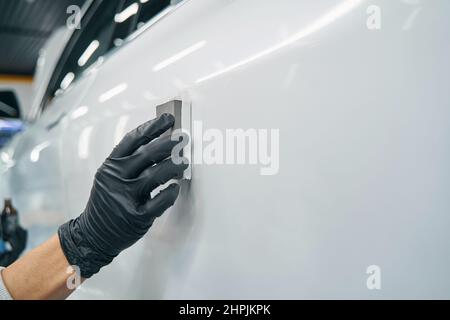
(9, 128)
(10, 123)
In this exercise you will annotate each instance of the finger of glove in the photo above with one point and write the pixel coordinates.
(155, 207)
(142, 135)
(148, 155)
(159, 175)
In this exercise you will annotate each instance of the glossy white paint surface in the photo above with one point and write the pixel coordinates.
(364, 121)
(48, 58)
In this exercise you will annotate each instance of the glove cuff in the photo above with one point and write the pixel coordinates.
(79, 252)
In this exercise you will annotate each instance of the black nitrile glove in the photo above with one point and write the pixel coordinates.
(120, 210)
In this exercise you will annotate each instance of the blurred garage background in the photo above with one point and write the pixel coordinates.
(25, 26)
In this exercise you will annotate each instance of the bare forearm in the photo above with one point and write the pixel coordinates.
(41, 274)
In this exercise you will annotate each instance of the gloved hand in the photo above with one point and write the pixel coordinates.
(120, 210)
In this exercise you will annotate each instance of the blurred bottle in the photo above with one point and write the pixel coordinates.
(13, 237)
(2, 243)
(9, 220)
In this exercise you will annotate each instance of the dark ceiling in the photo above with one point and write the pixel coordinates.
(25, 25)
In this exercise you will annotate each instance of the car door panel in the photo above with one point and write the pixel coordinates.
(363, 127)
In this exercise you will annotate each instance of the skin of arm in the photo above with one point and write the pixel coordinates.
(41, 274)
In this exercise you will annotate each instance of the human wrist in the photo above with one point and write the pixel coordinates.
(79, 251)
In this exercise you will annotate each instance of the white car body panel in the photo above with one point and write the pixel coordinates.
(48, 58)
(364, 121)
